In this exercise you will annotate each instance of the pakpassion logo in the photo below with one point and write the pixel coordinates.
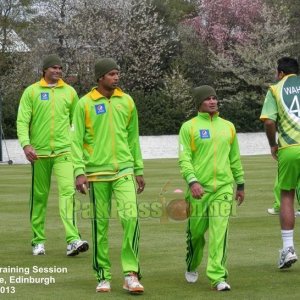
(169, 205)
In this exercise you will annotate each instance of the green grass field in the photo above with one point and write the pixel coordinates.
(254, 240)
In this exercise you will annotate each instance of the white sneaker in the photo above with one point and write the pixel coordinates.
(76, 247)
(191, 277)
(132, 284)
(273, 211)
(222, 286)
(287, 257)
(103, 286)
(38, 249)
(297, 213)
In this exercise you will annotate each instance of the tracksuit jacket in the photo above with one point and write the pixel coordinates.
(108, 131)
(44, 117)
(209, 152)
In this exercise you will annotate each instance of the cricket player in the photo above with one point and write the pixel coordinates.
(210, 163)
(43, 126)
(281, 112)
(107, 159)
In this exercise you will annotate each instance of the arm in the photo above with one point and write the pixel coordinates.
(185, 163)
(270, 129)
(269, 116)
(237, 169)
(23, 124)
(73, 105)
(134, 142)
(135, 149)
(77, 133)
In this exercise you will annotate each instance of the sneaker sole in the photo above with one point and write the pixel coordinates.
(288, 264)
(36, 254)
(136, 291)
(223, 290)
(83, 248)
(73, 253)
(103, 290)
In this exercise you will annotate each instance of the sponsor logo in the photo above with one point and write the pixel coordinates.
(204, 133)
(100, 109)
(44, 96)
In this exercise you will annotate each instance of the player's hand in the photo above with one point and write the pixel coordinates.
(82, 184)
(30, 153)
(141, 183)
(239, 197)
(197, 190)
(274, 152)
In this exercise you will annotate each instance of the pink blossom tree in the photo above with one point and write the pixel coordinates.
(222, 23)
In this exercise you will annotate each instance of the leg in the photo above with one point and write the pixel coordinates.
(125, 195)
(287, 215)
(100, 197)
(219, 211)
(63, 171)
(276, 204)
(288, 179)
(41, 179)
(298, 195)
(196, 227)
(124, 190)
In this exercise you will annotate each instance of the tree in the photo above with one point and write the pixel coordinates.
(292, 8)
(129, 31)
(222, 23)
(174, 11)
(177, 90)
(248, 68)
(14, 16)
(243, 41)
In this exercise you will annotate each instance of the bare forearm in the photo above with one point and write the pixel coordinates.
(270, 128)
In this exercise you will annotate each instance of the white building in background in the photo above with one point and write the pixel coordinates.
(13, 42)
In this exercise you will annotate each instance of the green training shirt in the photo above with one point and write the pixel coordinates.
(209, 152)
(282, 105)
(44, 117)
(106, 135)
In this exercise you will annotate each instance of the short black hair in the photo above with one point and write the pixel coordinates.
(288, 65)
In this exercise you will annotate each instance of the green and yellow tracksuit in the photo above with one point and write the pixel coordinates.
(106, 148)
(44, 120)
(209, 154)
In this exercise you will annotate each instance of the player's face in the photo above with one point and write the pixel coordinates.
(110, 80)
(209, 105)
(53, 74)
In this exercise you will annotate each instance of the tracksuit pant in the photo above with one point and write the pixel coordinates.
(211, 213)
(124, 191)
(42, 170)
